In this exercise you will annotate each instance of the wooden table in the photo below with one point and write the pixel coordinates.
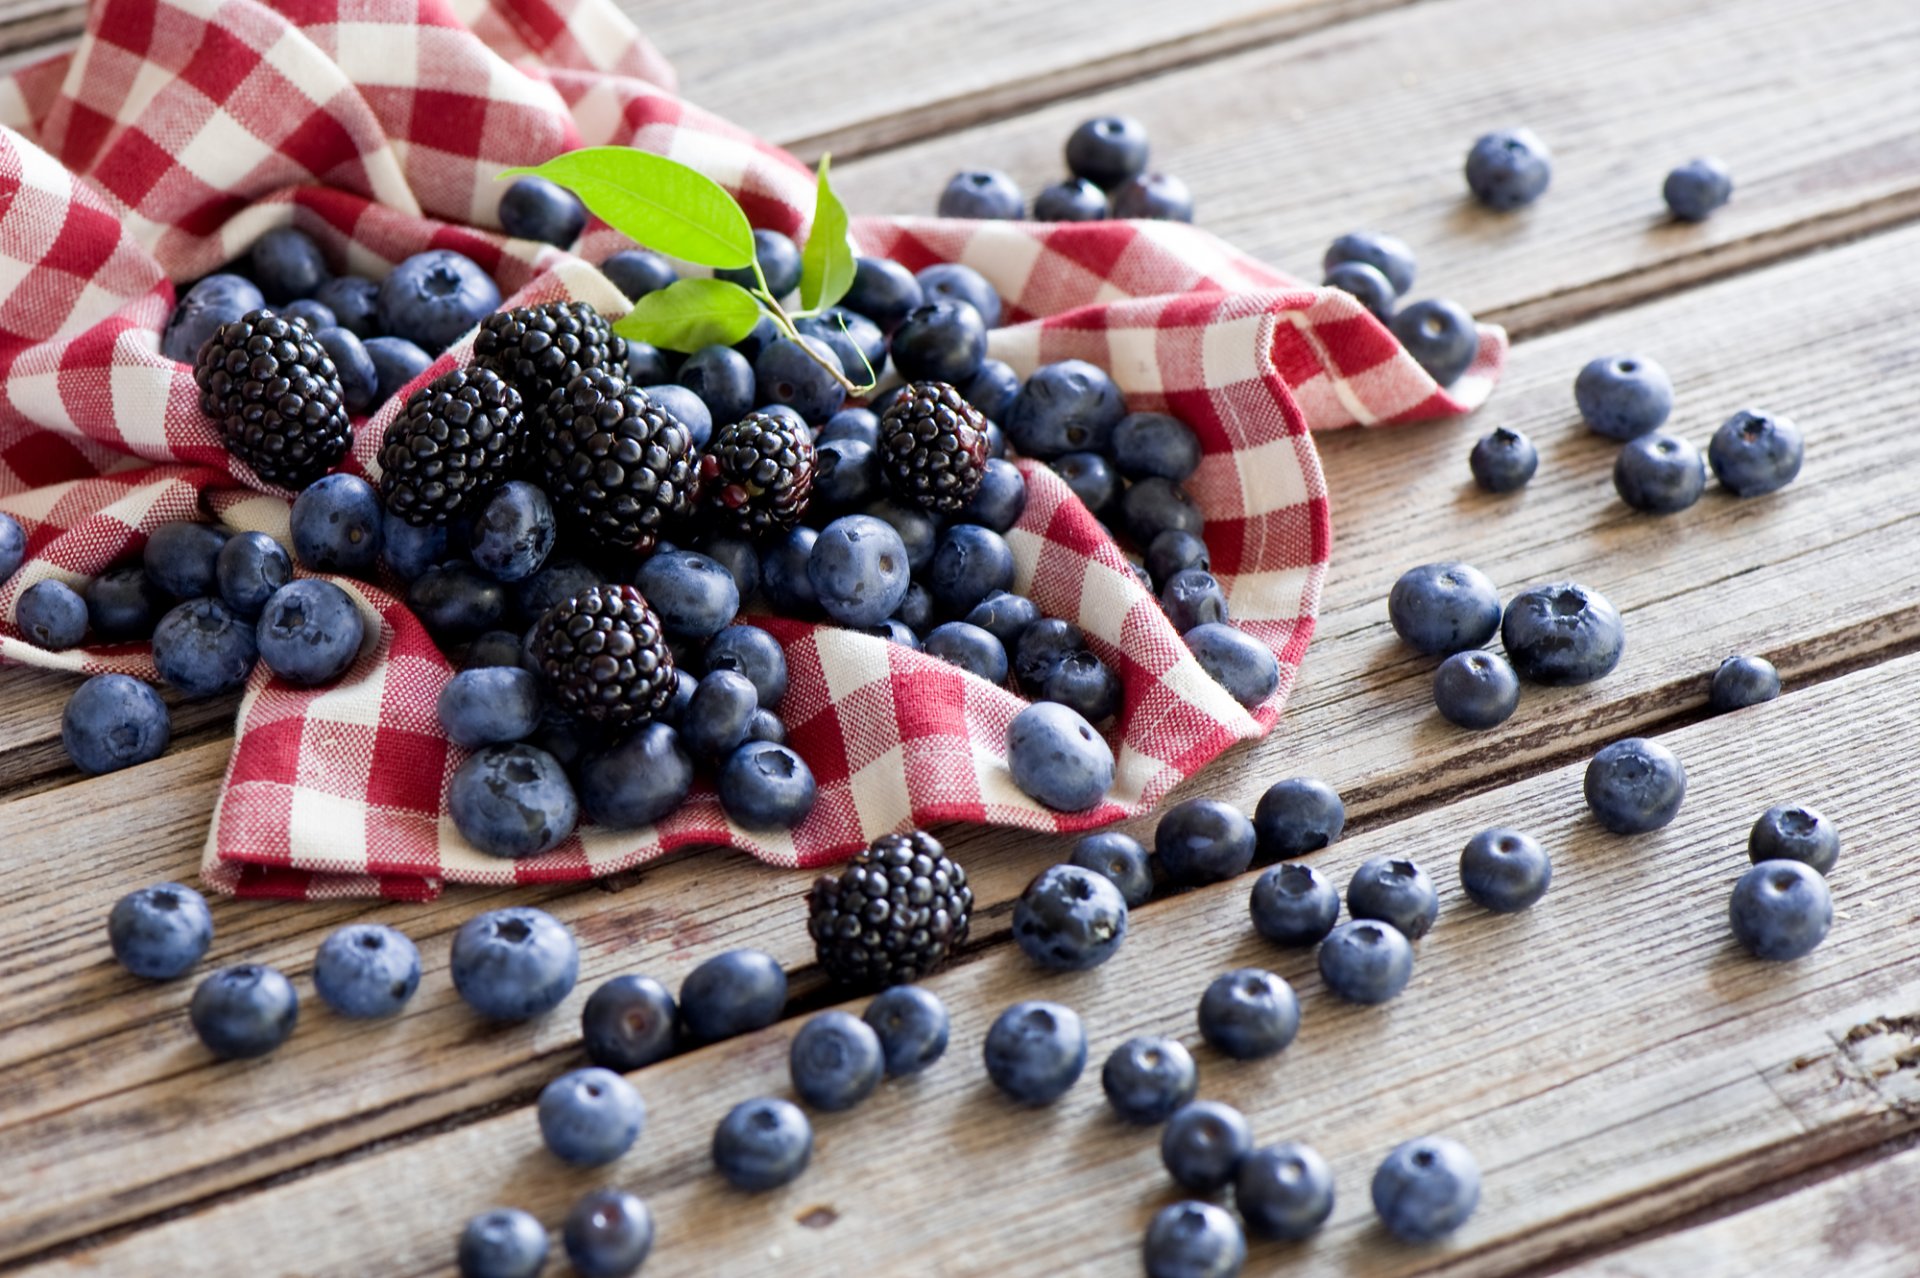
(1644, 1099)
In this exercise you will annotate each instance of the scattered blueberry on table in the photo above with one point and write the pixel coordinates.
(1504, 870)
(1503, 460)
(1193, 1240)
(1366, 961)
(1444, 607)
(1425, 1189)
(1284, 1191)
(1294, 905)
(835, 1061)
(1659, 474)
(1396, 891)
(159, 933)
(502, 1243)
(913, 1028)
(1203, 1144)
(1635, 786)
(1695, 189)
(1781, 910)
(1508, 169)
(1069, 918)
(1035, 1051)
(1623, 397)
(1794, 832)
(589, 1117)
(762, 1144)
(1476, 690)
(244, 1011)
(1741, 681)
(366, 970)
(607, 1234)
(1147, 1079)
(1249, 1013)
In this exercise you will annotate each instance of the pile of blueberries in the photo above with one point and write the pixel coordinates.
(1107, 178)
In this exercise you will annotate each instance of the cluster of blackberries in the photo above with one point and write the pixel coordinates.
(1107, 160)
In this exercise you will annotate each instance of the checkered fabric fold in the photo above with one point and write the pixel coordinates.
(176, 133)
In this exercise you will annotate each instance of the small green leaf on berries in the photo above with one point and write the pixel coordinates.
(690, 314)
(826, 265)
(661, 203)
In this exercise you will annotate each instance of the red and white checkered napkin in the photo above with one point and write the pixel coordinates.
(174, 135)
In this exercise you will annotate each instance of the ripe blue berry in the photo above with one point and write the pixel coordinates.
(1754, 453)
(738, 556)
(1152, 506)
(1504, 870)
(456, 601)
(201, 648)
(918, 530)
(1425, 1189)
(51, 615)
(122, 603)
(503, 1243)
(638, 272)
(1068, 407)
(966, 645)
(1249, 1013)
(993, 389)
(1794, 833)
(846, 472)
(310, 632)
(858, 568)
(1071, 200)
(857, 340)
(396, 362)
(1085, 684)
(1444, 608)
(354, 301)
(1284, 1191)
(311, 313)
(1297, 816)
(1057, 758)
(1695, 189)
(114, 721)
(535, 209)
(607, 1234)
(513, 532)
(1237, 661)
(754, 653)
(589, 1117)
(1387, 254)
(942, 341)
(693, 595)
(766, 786)
(410, 551)
(489, 705)
(786, 373)
(1035, 1051)
(250, 567)
(1508, 169)
(1158, 196)
(858, 425)
(1562, 634)
(912, 1024)
(337, 522)
(1635, 785)
(1503, 461)
(160, 932)
(1364, 961)
(1193, 1240)
(1121, 859)
(1091, 477)
(1623, 396)
(216, 300)
(1042, 646)
(883, 291)
(762, 1144)
(1147, 1079)
(1659, 474)
(628, 1023)
(1204, 841)
(1150, 445)
(835, 1061)
(638, 780)
(732, 993)
(779, 260)
(1294, 904)
(982, 193)
(244, 1011)
(366, 970)
(1367, 286)
(1743, 681)
(1203, 1144)
(1781, 910)
(1475, 689)
(1070, 919)
(1107, 150)
(287, 264)
(1005, 616)
(1193, 597)
(514, 964)
(181, 558)
(1394, 890)
(512, 801)
(432, 298)
(1440, 335)
(955, 282)
(13, 545)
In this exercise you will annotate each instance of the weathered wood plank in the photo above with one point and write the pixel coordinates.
(1822, 575)
(1611, 1058)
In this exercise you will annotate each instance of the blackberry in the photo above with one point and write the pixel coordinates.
(758, 474)
(933, 445)
(604, 656)
(539, 349)
(895, 913)
(455, 440)
(615, 462)
(276, 397)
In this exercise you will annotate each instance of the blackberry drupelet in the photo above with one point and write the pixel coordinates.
(604, 656)
(457, 438)
(276, 397)
(615, 462)
(757, 476)
(539, 349)
(933, 445)
(894, 914)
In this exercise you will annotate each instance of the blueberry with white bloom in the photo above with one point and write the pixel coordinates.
(244, 1011)
(732, 993)
(1147, 1079)
(638, 272)
(1366, 285)
(1284, 1191)
(533, 208)
(287, 264)
(1623, 396)
(181, 558)
(762, 1144)
(1070, 919)
(489, 705)
(637, 780)
(114, 721)
(366, 970)
(1056, 757)
(1635, 786)
(1754, 452)
(1203, 1144)
(310, 632)
(1035, 1051)
(1503, 460)
(957, 282)
(590, 1117)
(608, 1234)
(1249, 1013)
(1155, 445)
(1387, 254)
(1394, 890)
(982, 193)
(432, 298)
(1659, 474)
(1781, 910)
(913, 1028)
(1476, 690)
(1238, 662)
(1294, 904)
(1441, 337)
(51, 615)
(1444, 607)
(766, 786)
(1203, 840)
(396, 362)
(965, 645)
(512, 801)
(1085, 684)
(202, 649)
(754, 653)
(835, 1061)
(693, 595)
(1066, 407)
(513, 532)
(1562, 634)
(1742, 681)
(337, 523)
(502, 1243)
(250, 567)
(217, 299)
(859, 570)
(1121, 859)
(158, 933)
(1366, 961)
(1695, 189)
(1508, 169)
(1425, 1189)
(514, 964)
(1193, 1240)
(1158, 196)
(1192, 598)
(1794, 832)
(1071, 200)
(1107, 150)
(1504, 870)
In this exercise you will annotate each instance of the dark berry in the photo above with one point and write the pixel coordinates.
(1441, 337)
(1294, 904)
(883, 291)
(1503, 460)
(1695, 189)
(1794, 833)
(1204, 841)
(1623, 396)
(1107, 150)
(1426, 1189)
(535, 209)
(1057, 758)
(1504, 870)
(618, 465)
(1562, 634)
(310, 632)
(628, 1023)
(603, 656)
(1508, 169)
(244, 1011)
(892, 915)
(779, 260)
(1203, 1144)
(514, 964)
(287, 264)
(456, 439)
(540, 349)
(758, 474)
(638, 272)
(608, 1234)
(1742, 681)
(159, 933)
(1475, 689)
(1249, 1013)
(942, 341)
(1635, 785)
(638, 780)
(1035, 1051)
(1147, 1079)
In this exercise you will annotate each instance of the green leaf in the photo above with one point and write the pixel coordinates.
(690, 314)
(657, 202)
(826, 267)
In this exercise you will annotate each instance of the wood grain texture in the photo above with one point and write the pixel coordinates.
(1821, 576)
(1610, 1057)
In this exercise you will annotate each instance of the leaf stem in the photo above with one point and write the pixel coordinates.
(771, 304)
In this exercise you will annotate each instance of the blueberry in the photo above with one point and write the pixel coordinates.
(1154, 445)
(1387, 254)
(287, 264)
(982, 193)
(590, 1117)
(783, 573)
(895, 631)
(1238, 662)
(337, 522)
(1249, 1013)
(684, 407)
(1204, 841)
(396, 362)
(311, 313)
(1070, 406)
(1043, 644)
(966, 645)
(1695, 189)
(1153, 506)
(607, 1234)
(1426, 1189)
(502, 1243)
(1754, 453)
(1091, 477)
(1107, 150)
(1366, 285)
(1057, 758)
(1085, 684)
(1284, 1191)
(434, 297)
(512, 801)
(215, 300)
(513, 532)
(788, 374)
(762, 1144)
(694, 596)
(1635, 785)
(856, 340)
(1743, 681)
(310, 632)
(953, 282)
(766, 786)
(1193, 597)
(1174, 552)
(1006, 617)
(941, 341)
(114, 721)
(181, 558)
(779, 261)
(723, 379)
(1297, 816)
(535, 209)
(1294, 904)
(1475, 689)
(1070, 919)
(1503, 460)
(359, 379)
(628, 1023)
(918, 530)
(1203, 1144)
(1623, 396)
(1441, 337)
(1659, 474)
(13, 545)
(1794, 833)
(1159, 196)
(754, 653)
(1562, 634)
(716, 720)
(355, 303)
(1070, 200)
(648, 367)
(158, 933)
(1396, 891)
(1508, 169)
(883, 290)
(201, 648)
(1193, 1240)
(732, 993)
(999, 501)
(970, 563)
(1504, 870)
(366, 970)
(638, 272)
(1147, 1079)
(853, 425)
(456, 601)
(763, 331)
(912, 1026)
(992, 390)
(51, 615)
(122, 603)
(859, 571)
(1122, 860)
(514, 964)
(244, 1011)
(835, 1061)
(494, 648)
(489, 706)
(1364, 961)
(1035, 1051)
(1781, 909)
